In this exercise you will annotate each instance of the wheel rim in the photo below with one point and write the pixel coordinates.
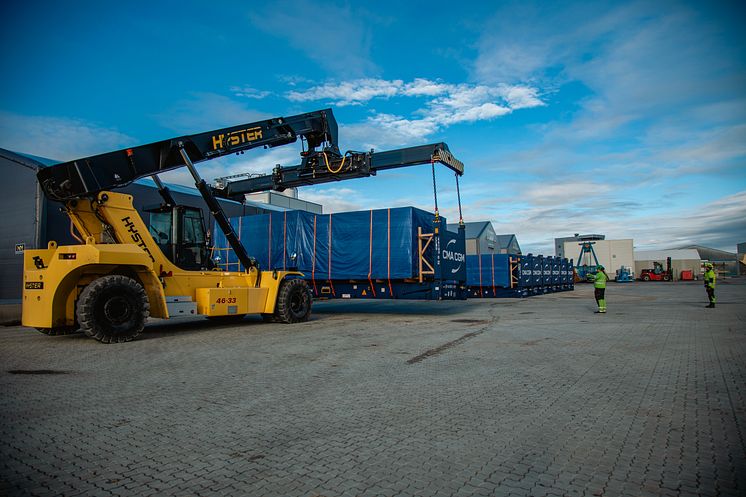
(117, 310)
(298, 303)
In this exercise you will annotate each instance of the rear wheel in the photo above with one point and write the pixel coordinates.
(293, 301)
(113, 309)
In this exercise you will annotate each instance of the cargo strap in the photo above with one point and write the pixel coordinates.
(458, 196)
(329, 269)
(481, 292)
(269, 244)
(435, 189)
(313, 260)
(370, 263)
(494, 293)
(388, 257)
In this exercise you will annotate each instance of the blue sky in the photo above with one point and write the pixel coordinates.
(623, 118)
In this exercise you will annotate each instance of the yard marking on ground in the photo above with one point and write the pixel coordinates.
(453, 343)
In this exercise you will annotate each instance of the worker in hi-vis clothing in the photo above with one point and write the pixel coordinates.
(599, 285)
(710, 278)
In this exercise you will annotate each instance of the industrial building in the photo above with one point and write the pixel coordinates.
(681, 260)
(741, 254)
(287, 200)
(725, 263)
(612, 254)
(482, 239)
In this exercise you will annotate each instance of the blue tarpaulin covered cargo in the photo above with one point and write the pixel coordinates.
(488, 270)
(515, 275)
(361, 246)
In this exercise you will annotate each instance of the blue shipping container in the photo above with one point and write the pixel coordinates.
(489, 270)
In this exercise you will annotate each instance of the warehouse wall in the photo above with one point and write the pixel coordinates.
(20, 196)
(487, 241)
(612, 254)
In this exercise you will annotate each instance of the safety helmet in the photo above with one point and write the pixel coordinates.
(600, 267)
(708, 264)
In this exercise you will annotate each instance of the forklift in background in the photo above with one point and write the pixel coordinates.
(123, 271)
(624, 275)
(658, 273)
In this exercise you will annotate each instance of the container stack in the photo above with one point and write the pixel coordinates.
(513, 275)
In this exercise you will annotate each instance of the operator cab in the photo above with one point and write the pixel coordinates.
(180, 233)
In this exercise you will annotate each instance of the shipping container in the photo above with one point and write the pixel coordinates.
(513, 275)
(385, 253)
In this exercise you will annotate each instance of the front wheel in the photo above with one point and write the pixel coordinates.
(666, 278)
(113, 309)
(645, 277)
(293, 301)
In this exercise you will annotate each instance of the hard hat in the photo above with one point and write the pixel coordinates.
(708, 264)
(600, 267)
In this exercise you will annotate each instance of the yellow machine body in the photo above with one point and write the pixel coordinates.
(117, 241)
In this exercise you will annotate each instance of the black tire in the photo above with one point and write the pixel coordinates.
(645, 277)
(293, 301)
(113, 309)
(59, 330)
(666, 278)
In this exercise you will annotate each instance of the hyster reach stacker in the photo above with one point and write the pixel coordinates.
(118, 275)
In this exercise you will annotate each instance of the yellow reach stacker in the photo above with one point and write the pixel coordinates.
(124, 271)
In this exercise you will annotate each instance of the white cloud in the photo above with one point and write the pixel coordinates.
(335, 199)
(58, 138)
(562, 193)
(388, 130)
(249, 92)
(354, 92)
(445, 104)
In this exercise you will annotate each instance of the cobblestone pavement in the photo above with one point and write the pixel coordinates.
(487, 397)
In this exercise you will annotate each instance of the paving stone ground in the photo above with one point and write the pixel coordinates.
(531, 397)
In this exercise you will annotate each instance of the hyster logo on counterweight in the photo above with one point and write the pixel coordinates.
(136, 236)
(450, 255)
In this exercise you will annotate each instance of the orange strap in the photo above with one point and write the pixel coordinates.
(388, 256)
(494, 294)
(370, 264)
(269, 244)
(479, 258)
(313, 260)
(331, 284)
